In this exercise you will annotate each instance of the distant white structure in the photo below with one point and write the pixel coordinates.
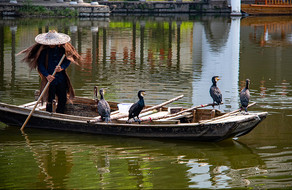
(236, 8)
(94, 2)
(72, 2)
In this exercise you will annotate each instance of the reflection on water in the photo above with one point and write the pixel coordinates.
(167, 57)
(217, 54)
(270, 31)
(267, 49)
(44, 159)
(94, 161)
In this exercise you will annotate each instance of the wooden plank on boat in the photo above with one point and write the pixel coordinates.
(225, 115)
(150, 108)
(178, 113)
(141, 115)
(162, 121)
(30, 105)
(238, 117)
(178, 116)
(154, 115)
(163, 104)
(154, 122)
(148, 115)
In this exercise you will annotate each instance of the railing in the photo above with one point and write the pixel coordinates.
(274, 2)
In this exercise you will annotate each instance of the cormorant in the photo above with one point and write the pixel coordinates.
(103, 107)
(245, 95)
(215, 91)
(136, 108)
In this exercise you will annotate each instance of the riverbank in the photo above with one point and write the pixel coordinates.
(40, 8)
(105, 8)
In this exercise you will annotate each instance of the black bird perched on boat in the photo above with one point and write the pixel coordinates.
(245, 95)
(215, 91)
(136, 108)
(103, 107)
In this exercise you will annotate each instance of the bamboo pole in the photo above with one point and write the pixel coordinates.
(42, 94)
(227, 114)
(178, 113)
(149, 109)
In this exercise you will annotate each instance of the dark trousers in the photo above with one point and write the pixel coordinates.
(61, 91)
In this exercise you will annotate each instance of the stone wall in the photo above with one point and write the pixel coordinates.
(7, 9)
(218, 6)
(106, 7)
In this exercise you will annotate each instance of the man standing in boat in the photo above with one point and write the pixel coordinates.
(45, 56)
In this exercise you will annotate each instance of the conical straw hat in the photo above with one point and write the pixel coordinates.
(52, 38)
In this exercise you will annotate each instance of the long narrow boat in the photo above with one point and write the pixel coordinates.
(260, 9)
(199, 125)
(268, 7)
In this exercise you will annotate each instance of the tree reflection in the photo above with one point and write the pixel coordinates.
(13, 30)
(133, 49)
(2, 37)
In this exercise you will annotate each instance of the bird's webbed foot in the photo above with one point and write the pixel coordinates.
(215, 104)
(246, 113)
(137, 119)
(130, 120)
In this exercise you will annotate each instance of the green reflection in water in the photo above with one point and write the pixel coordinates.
(73, 160)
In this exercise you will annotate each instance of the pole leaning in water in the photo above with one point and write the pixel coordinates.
(42, 94)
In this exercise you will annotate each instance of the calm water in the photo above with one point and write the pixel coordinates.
(167, 57)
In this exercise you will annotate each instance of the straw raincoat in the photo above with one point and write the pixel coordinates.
(43, 41)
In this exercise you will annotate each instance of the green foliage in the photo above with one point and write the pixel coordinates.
(67, 12)
(33, 10)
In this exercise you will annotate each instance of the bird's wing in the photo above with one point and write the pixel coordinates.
(244, 97)
(103, 108)
(133, 108)
(216, 94)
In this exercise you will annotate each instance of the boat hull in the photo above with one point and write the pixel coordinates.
(258, 9)
(213, 131)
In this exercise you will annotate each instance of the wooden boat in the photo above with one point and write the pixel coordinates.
(199, 124)
(268, 7)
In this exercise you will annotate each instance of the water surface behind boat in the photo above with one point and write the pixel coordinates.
(167, 57)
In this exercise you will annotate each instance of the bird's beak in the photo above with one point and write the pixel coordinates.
(217, 79)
